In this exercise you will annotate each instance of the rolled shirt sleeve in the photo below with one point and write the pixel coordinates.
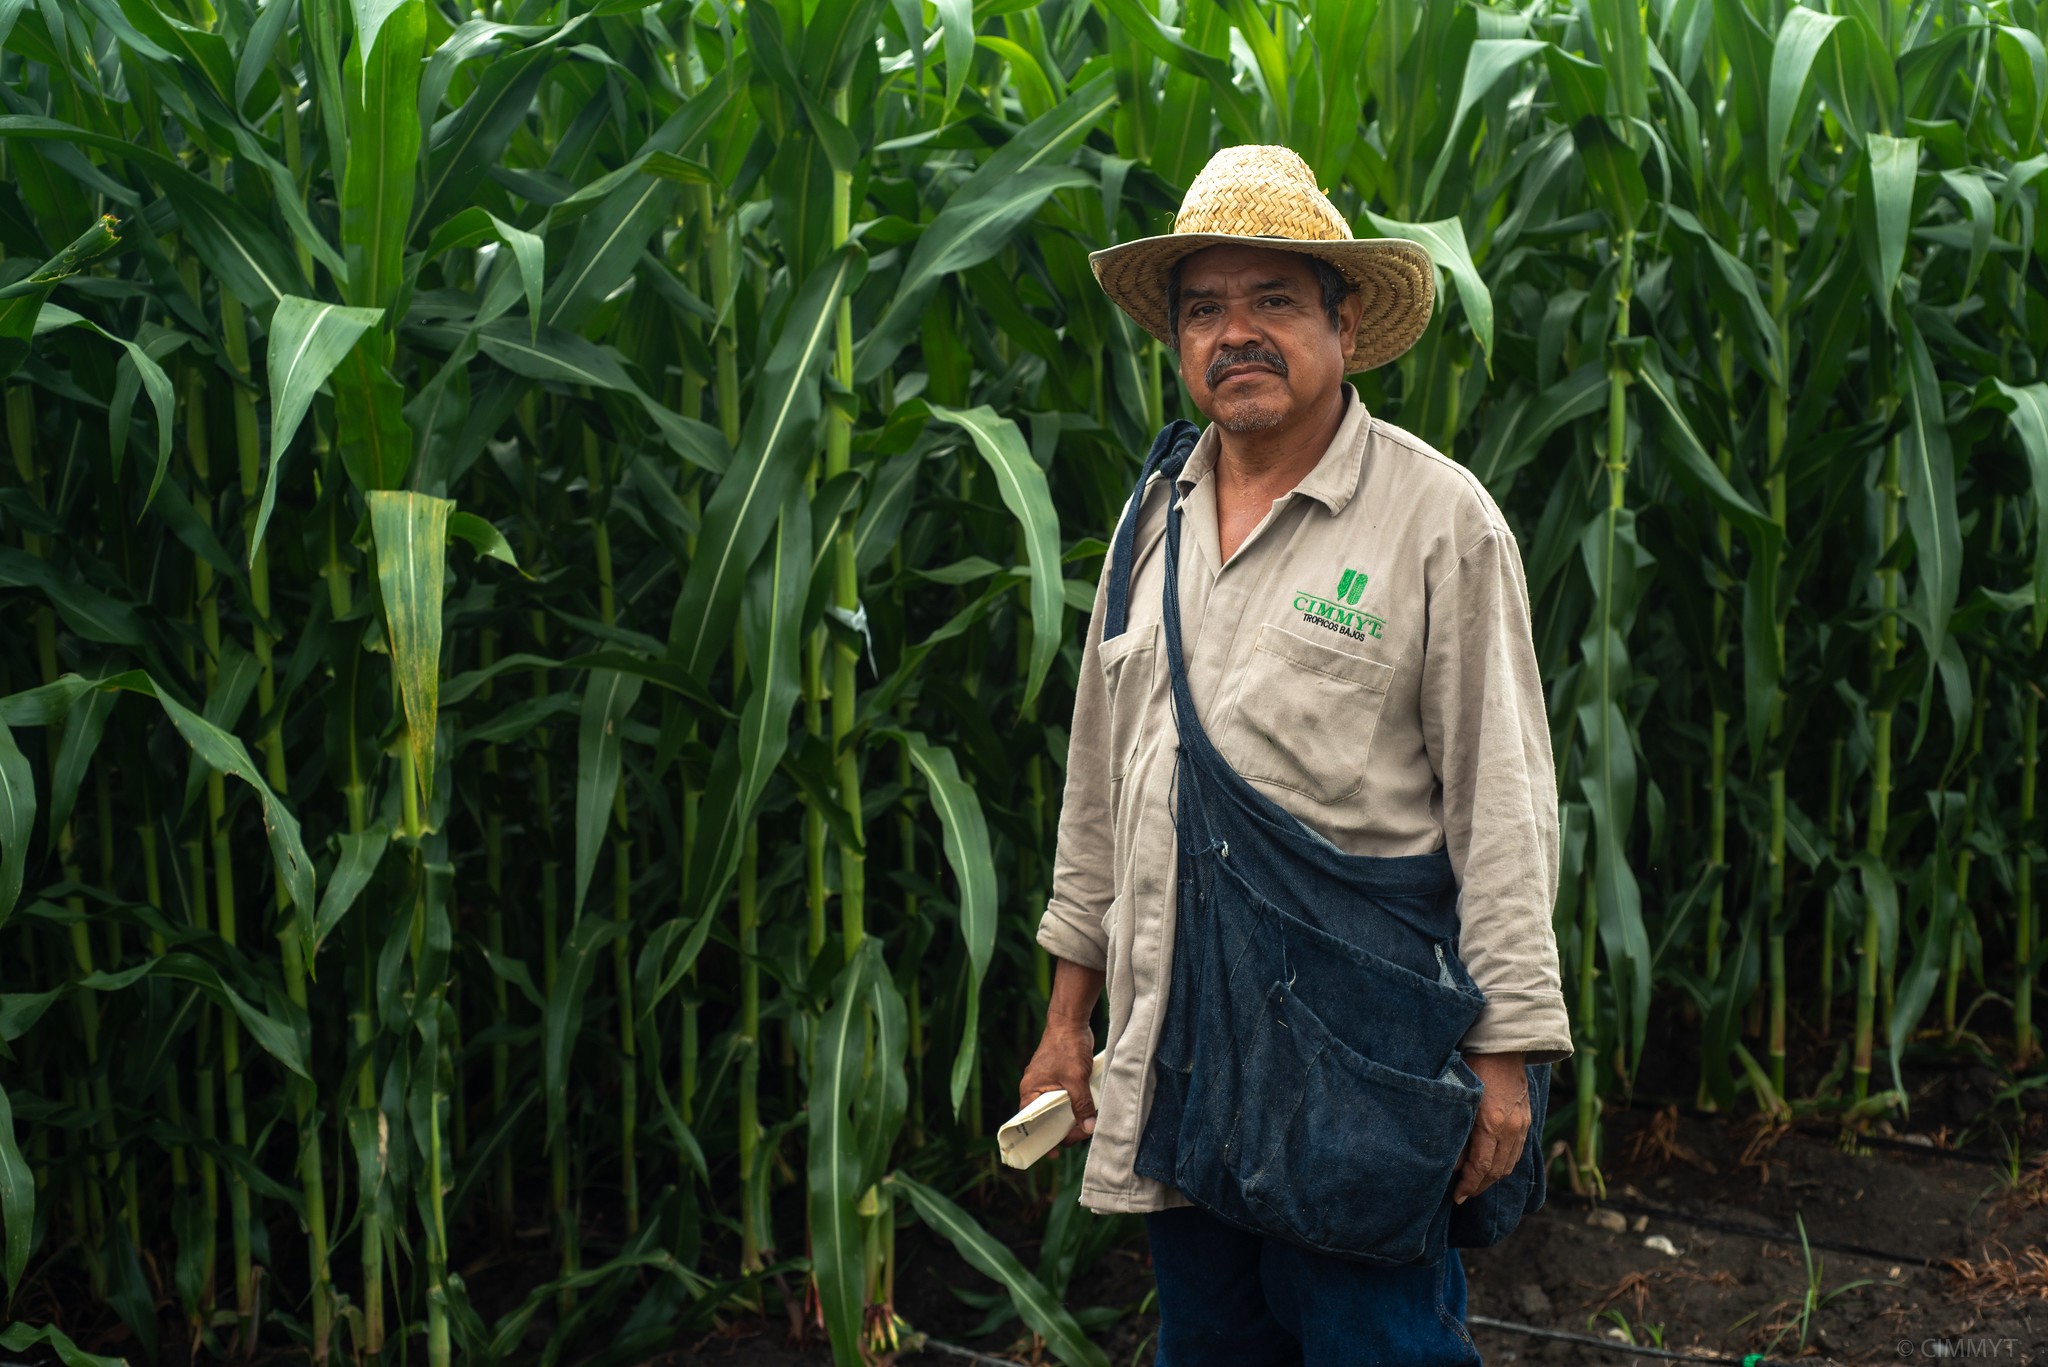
(1084, 874)
(1488, 735)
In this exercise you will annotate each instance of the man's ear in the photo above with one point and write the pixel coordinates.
(1349, 310)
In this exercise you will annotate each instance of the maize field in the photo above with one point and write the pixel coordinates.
(544, 550)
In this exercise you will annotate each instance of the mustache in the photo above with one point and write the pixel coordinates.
(1244, 356)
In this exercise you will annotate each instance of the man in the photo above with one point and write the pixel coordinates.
(1351, 621)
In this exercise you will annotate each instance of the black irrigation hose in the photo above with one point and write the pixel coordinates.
(1753, 1231)
(1617, 1346)
(932, 1345)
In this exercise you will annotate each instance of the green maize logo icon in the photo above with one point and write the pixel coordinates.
(1351, 587)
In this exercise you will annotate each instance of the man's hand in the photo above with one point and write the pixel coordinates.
(1066, 1053)
(1065, 1057)
(1501, 1127)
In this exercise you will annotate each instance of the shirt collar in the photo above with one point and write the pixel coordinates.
(1332, 481)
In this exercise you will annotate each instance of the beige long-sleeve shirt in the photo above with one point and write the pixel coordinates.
(1365, 660)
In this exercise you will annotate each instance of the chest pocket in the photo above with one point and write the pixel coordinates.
(1305, 716)
(1130, 665)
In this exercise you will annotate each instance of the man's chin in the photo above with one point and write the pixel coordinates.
(1241, 417)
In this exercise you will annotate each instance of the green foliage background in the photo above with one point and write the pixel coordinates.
(542, 552)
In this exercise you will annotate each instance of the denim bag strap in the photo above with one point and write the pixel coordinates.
(1169, 455)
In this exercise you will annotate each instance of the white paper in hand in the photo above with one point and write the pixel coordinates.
(1037, 1130)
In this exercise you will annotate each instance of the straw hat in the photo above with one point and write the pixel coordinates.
(1267, 197)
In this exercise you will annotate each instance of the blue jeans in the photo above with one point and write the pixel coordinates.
(1232, 1299)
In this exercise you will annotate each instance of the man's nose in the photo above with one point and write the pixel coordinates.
(1241, 325)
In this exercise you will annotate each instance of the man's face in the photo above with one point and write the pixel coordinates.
(1256, 346)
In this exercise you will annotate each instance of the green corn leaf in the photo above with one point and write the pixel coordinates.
(369, 407)
(92, 244)
(361, 853)
(262, 46)
(956, 22)
(1970, 188)
(17, 1211)
(1763, 660)
(84, 725)
(307, 340)
(377, 188)
(1490, 61)
(1614, 171)
(1038, 1308)
(1893, 164)
(17, 822)
(563, 1017)
(853, 1104)
(983, 214)
(1578, 86)
(485, 539)
(283, 1039)
(552, 354)
(976, 223)
(87, 611)
(608, 700)
(1445, 242)
(213, 747)
(779, 433)
(370, 17)
(2029, 419)
(771, 624)
(2025, 59)
(256, 267)
(1028, 496)
(18, 1338)
(1514, 437)
(968, 853)
(463, 148)
(607, 247)
(1689, 456)
(151, 376)
(1624, 56)
(1799, 40)
(1762, 331)
(1927, 474)
(1917, 981)
(411, 535)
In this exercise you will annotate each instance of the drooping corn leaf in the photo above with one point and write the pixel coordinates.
(857, 1098)
(307, 340)
(1028, 496)
(17, 821)
(1038, 1307)
(1444, 240)
(608, 699)
(411, 534)
(1799, 39)
(152, 378)
(2029, 419)
(965, 832)
(1927, 474)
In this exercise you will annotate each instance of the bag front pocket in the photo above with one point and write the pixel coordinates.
(1305, 716)
(1130, 673)
(1341, 1153)
(1375, 1006)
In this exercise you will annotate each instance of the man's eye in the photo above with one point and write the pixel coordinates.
(1280, 299)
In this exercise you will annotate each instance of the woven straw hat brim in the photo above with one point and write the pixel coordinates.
(1393, 276)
